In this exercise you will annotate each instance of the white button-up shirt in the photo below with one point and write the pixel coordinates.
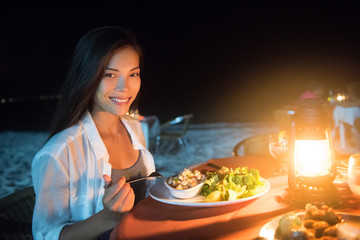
(67, 175)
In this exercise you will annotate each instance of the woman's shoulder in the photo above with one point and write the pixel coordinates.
(60, 141)
(131, 121)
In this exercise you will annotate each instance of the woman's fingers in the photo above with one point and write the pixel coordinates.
(111, 191)
(107, 180)
(124, 201)
(118, 197)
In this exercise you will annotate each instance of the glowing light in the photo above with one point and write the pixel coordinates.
(291, 112)
(312, 157)
(340, 97)
(267, 233)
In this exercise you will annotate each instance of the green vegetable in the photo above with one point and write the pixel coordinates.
(243, 181)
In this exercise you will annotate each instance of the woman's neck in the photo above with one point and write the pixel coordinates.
(107, 124)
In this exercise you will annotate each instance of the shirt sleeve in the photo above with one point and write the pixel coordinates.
(51, 184)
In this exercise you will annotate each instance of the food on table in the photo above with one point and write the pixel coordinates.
(349, 230)
(326, 213)
(316, 223)
(231, 184)
(231, 195)
(186, 179)
(289, 221)
(214, 197)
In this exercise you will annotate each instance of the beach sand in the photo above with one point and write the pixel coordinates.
(207, 141)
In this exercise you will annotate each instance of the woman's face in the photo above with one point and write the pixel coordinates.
(120, 83)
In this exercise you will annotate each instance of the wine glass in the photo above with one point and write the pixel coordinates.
(354, 174)
(278, 148)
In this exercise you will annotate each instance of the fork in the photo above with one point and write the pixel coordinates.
(151, 175)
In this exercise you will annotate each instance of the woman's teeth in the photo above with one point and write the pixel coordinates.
(120, 100)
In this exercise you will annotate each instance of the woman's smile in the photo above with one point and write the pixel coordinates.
(120, 101)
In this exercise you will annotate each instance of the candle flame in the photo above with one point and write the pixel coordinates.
(312, 157)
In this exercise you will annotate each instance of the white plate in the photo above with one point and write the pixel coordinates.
(160, 193)
(268, 230)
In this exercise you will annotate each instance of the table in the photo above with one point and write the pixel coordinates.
(344, 114)
(151, 219)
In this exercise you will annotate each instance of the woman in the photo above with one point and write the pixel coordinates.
(79, 175)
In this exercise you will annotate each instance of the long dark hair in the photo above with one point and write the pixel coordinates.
(91, 56)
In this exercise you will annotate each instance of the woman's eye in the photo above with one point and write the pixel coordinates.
(135, 75)
(109, 75)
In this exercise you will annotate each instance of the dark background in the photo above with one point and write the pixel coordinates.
(223, 62)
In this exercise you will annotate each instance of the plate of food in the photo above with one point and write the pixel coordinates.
(312, 223)
(223, 187)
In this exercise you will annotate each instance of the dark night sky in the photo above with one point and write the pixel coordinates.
(221, 62)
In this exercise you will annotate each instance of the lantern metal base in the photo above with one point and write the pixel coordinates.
(330, 196)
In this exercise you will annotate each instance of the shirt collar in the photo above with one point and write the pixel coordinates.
(130, 126)
(94, 136)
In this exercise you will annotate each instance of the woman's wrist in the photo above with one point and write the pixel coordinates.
(110, 218)
(91, 227)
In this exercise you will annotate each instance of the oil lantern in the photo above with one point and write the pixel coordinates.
(312, 168)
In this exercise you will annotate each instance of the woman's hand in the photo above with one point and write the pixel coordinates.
(118, 198)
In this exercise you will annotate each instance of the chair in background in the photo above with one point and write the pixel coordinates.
(175, 129)
(16, 212)
(151, 129)
(255, 145)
